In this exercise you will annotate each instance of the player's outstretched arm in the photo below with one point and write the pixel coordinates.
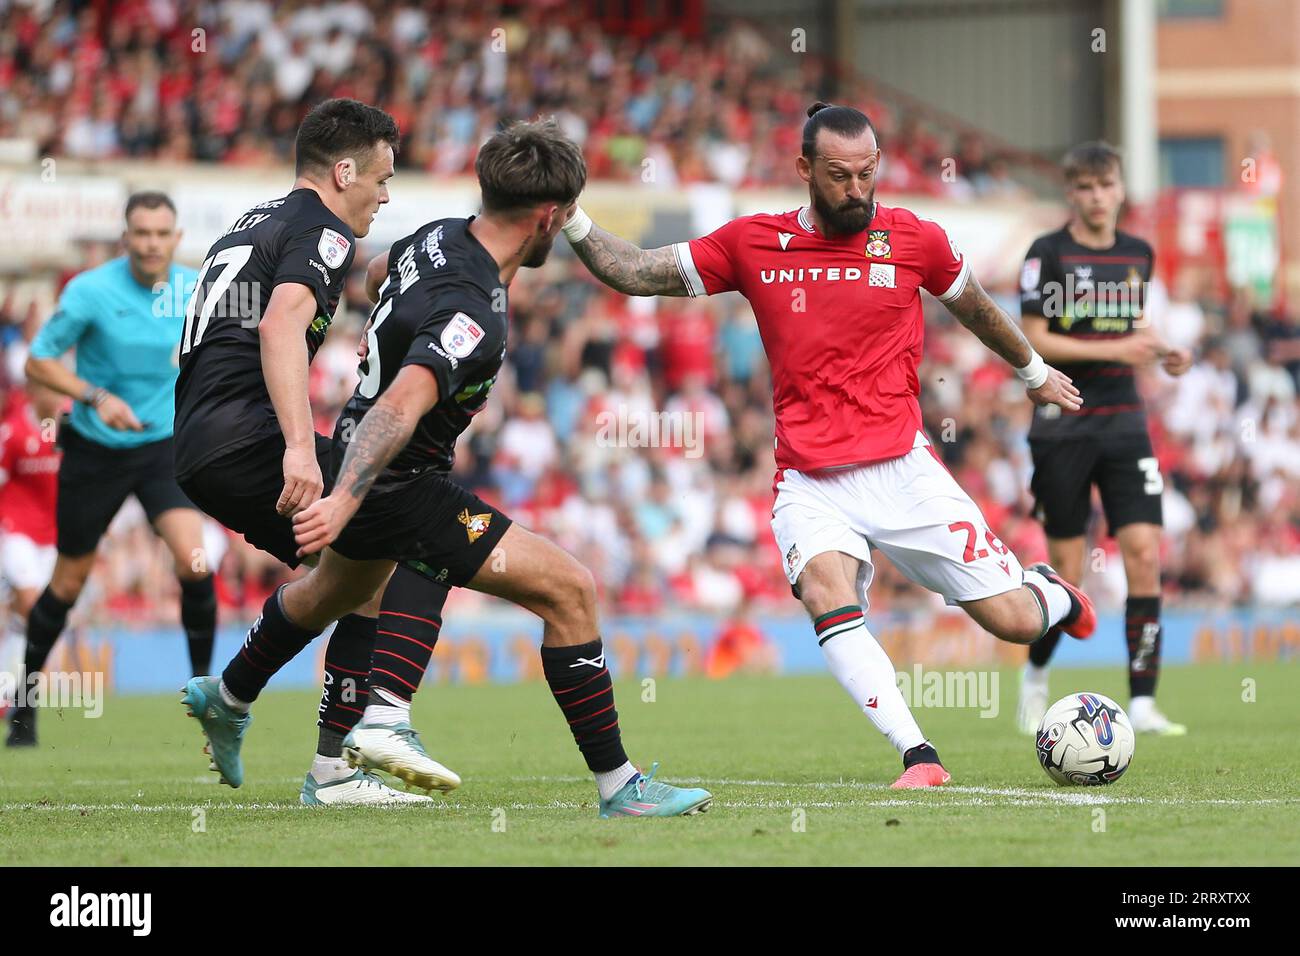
(979, 313)
(623, 265)
(383, 432)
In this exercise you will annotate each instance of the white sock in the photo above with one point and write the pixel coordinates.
(1057, 597)
(233, 702)
(1140, 708)
(1035, 675)
(863, 669)
(393, 711)
(328, 769)
(611, 782)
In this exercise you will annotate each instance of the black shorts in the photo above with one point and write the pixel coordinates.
(430, 524)
(1123, 467)
(95, 480)
(240, 490)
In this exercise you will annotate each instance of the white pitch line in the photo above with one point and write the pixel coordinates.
(966, 798)
(1014, 796)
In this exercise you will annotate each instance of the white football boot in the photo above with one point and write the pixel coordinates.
(357, 789)
(396, 749)
(1144, 717)
(1033, 699)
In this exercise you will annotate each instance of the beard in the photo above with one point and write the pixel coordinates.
(850, 217)
(537, 255)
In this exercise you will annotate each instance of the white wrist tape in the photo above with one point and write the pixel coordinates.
(1035, 373)
(577, 228)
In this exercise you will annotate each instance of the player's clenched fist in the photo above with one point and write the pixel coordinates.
(316, 527)
(302, 480)
(1058, 390)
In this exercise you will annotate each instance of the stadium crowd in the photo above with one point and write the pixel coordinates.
(595, 381)
(591, 375)
(228, 82)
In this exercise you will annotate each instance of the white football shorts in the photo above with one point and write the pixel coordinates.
(911, 508)
(24, 563)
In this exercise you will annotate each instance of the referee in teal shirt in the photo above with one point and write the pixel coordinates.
(124, 319)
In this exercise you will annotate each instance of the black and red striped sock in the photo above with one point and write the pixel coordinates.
(582, 686)
(1142, 633)
(346, 688)
(272, 642)
(410, 617)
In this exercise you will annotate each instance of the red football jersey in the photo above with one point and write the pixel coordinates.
(29, 476)
(841, 323)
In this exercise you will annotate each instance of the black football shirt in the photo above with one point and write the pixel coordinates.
(442, 306)
(221, 399)
(1091, 294)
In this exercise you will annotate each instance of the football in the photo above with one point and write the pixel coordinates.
(1085, 739)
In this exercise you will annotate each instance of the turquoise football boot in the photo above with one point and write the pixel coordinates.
(643, 796)
(222, 725)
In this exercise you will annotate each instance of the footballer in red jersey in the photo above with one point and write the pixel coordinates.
(29, 483)
(835, 287)
(29, 487)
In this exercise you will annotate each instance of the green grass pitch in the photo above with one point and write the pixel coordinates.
(798, 779)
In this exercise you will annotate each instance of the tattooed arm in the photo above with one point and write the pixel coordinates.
(383, 432)
(627, 267)
(975, 310)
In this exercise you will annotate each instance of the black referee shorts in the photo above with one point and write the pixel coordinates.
(95, 481)
(1123, 467)
(240, 490)
(431, 524)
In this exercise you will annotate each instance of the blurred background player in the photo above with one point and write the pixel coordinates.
(29, 469)
(124, 321)
(1082, 300)
(855, 470)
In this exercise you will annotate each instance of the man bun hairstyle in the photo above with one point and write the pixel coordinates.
(1092, 158)
(841, 120)
(338, 128)
(529, 163)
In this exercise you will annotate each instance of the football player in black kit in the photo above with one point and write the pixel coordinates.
(433, 348)
(1081, 293)
(245, 449)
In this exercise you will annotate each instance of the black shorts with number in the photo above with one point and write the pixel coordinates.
(95, 480)
(1123, 467)
(430, 524)
(240, 489)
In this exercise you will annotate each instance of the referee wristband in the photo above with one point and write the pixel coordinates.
(576, 228)
(1035, 373)
(93, 396)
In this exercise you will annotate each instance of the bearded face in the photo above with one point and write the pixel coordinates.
(845, 216)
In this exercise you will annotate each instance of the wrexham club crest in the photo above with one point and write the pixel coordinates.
(878, 244)
(475, 525)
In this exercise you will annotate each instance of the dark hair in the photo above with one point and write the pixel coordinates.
(1093, 157)
(529, 163)
(149, 199)
(338, 128)
(843, 120)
